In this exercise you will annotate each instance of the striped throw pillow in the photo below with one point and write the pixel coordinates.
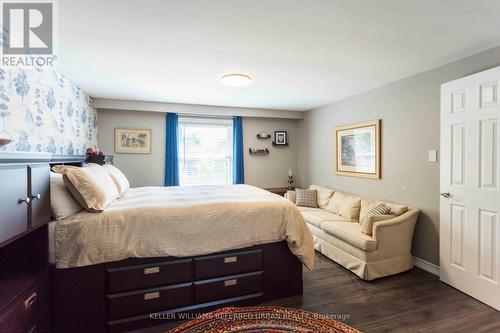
(306, 198)
(380, 209)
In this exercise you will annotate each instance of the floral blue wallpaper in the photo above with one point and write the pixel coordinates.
(41, 110)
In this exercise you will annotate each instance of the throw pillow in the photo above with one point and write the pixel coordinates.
(379, 209)
(306, 198)
(345, 205)
(324, 195)
(291, 195)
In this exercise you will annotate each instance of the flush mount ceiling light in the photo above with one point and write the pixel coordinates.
(236, 80)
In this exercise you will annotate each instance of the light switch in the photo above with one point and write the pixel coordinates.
(433, 155)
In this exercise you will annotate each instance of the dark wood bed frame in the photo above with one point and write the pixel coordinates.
(139, 292)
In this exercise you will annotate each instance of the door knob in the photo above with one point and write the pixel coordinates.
(36, 197)
(446, 195)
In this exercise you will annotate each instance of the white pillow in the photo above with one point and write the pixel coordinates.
(62, 202)
(90, 185)
(121, 182)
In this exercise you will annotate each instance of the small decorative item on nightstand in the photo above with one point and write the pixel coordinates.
(290, 178)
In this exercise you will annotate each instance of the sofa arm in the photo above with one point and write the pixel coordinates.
(394, 236)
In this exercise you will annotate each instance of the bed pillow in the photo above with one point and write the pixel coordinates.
(324, 195)
(62, 202)
(90, 185)
(306, 198)
(121, 182)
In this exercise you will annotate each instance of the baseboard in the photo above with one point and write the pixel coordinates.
(426, 266)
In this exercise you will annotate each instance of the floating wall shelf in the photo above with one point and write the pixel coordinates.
(279, 145)
(263, 137)
(258, 151)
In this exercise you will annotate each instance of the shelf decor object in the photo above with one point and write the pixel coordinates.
(358, 149)
(4, 142)
(258, 151)
(263, 136)
(280, 138)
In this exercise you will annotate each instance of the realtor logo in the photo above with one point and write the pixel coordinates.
(28, 28)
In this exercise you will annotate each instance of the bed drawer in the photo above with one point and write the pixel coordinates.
(149, 275)
(150, 300)
(228, 264)
(226, 287)
(26, 308)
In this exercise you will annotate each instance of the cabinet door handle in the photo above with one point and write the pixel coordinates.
(26, 201)
(30, 301)
(37, 196)
(446, 195)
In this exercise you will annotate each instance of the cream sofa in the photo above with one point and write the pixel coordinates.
(385, 252)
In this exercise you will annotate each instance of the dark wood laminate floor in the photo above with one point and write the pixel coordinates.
(414, 301)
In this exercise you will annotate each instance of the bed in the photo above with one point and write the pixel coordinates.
(160, 252)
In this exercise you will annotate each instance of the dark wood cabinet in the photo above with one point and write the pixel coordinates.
(39, 193)
(25, 211)
(13, 201)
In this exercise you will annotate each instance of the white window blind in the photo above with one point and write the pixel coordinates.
(205, 151)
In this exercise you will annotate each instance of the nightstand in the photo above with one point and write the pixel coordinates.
(278, 190)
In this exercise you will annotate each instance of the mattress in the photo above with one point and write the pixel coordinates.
(181, 222)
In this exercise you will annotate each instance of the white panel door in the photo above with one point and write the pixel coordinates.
(470, 198)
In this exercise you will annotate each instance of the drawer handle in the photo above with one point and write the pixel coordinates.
(228, 260)
(151, 270)
(150, 296)
(30, 301)
(33, 329)
(231, 282)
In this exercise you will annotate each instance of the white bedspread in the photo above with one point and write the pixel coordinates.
(181, 221)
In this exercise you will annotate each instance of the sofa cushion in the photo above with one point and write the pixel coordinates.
(345, 205)
(291, 195)
(350, 233)
(324, 195)
(315, 216)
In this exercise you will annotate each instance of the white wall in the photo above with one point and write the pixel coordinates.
(410, 113)
(148, 169)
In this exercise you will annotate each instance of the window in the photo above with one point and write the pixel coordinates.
(205, 151)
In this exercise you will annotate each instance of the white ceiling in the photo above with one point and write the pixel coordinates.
(301, 54)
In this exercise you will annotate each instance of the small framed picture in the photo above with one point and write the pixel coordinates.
(132, 141)
(280, 138)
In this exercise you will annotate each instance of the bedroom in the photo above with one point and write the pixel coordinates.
(193, 165)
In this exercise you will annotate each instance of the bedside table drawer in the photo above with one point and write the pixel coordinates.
(26, 308)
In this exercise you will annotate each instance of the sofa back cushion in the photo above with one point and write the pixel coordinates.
(306, 198)
(324, 195)
(367, 204)
(345, 205)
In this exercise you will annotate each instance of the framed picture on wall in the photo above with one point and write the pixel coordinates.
(281, 138)
(132, 141)
(358, 149)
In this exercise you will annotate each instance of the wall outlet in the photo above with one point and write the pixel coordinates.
(433, 155)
